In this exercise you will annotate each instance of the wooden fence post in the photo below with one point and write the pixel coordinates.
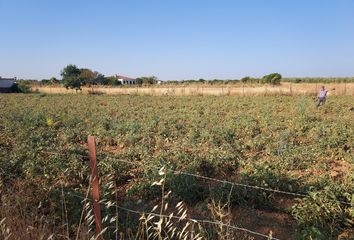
(94, 183)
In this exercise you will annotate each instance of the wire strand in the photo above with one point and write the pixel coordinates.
(175, 217)
(205, 177)
(233, 183)
(186, 219)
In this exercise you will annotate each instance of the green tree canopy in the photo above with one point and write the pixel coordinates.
(71, 77)
(112, 80)
(89, 77)
(245, 79)
(146, 80)
(70, 71)
(73, 83)
(273, 78)
(75, 78)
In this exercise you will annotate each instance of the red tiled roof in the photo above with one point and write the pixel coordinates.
(124, 78)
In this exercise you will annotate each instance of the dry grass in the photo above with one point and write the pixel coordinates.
(21, 218)
(23, 215)
(216, 90)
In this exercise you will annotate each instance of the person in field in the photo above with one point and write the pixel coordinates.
(322, 95)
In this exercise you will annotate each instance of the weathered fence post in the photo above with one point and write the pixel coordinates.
(94, 183)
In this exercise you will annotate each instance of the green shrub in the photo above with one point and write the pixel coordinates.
(322, 215)
(273, 78)
(21, 87)
(187, 188)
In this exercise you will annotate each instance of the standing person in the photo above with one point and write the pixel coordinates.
(322, 95)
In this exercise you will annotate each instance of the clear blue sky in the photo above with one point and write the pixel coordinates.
(177, 39)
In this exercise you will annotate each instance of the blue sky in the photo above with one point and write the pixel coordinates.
(178, 39)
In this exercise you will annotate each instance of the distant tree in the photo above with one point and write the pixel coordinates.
(71, 77)
(102, 80)
(89, 77)
(214, 82)
(45, 82)
(73, 83)
(139, 81)
(245, 79)
(273, 78)
(146, 80)
(50, 81)
(113, 81)
(21, 87)
(70, 71)
(54, 80)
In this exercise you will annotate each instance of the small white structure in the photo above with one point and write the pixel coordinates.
(126, 80)
(7, 82)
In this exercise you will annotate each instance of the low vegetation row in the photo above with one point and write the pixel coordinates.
(75, 78)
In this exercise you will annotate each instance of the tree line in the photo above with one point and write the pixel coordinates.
(273, 79)
(320, 80)
(75, 78)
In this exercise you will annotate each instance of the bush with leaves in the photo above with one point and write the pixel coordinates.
(273, 78)
(323, 215)
(21, 87)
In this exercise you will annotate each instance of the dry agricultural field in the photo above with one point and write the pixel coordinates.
(345, 89)
(274, 165)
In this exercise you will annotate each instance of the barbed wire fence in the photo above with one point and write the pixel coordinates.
(177, 172)
(140, 213)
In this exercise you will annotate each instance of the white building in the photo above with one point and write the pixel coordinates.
(6, 84)
(126, 80)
